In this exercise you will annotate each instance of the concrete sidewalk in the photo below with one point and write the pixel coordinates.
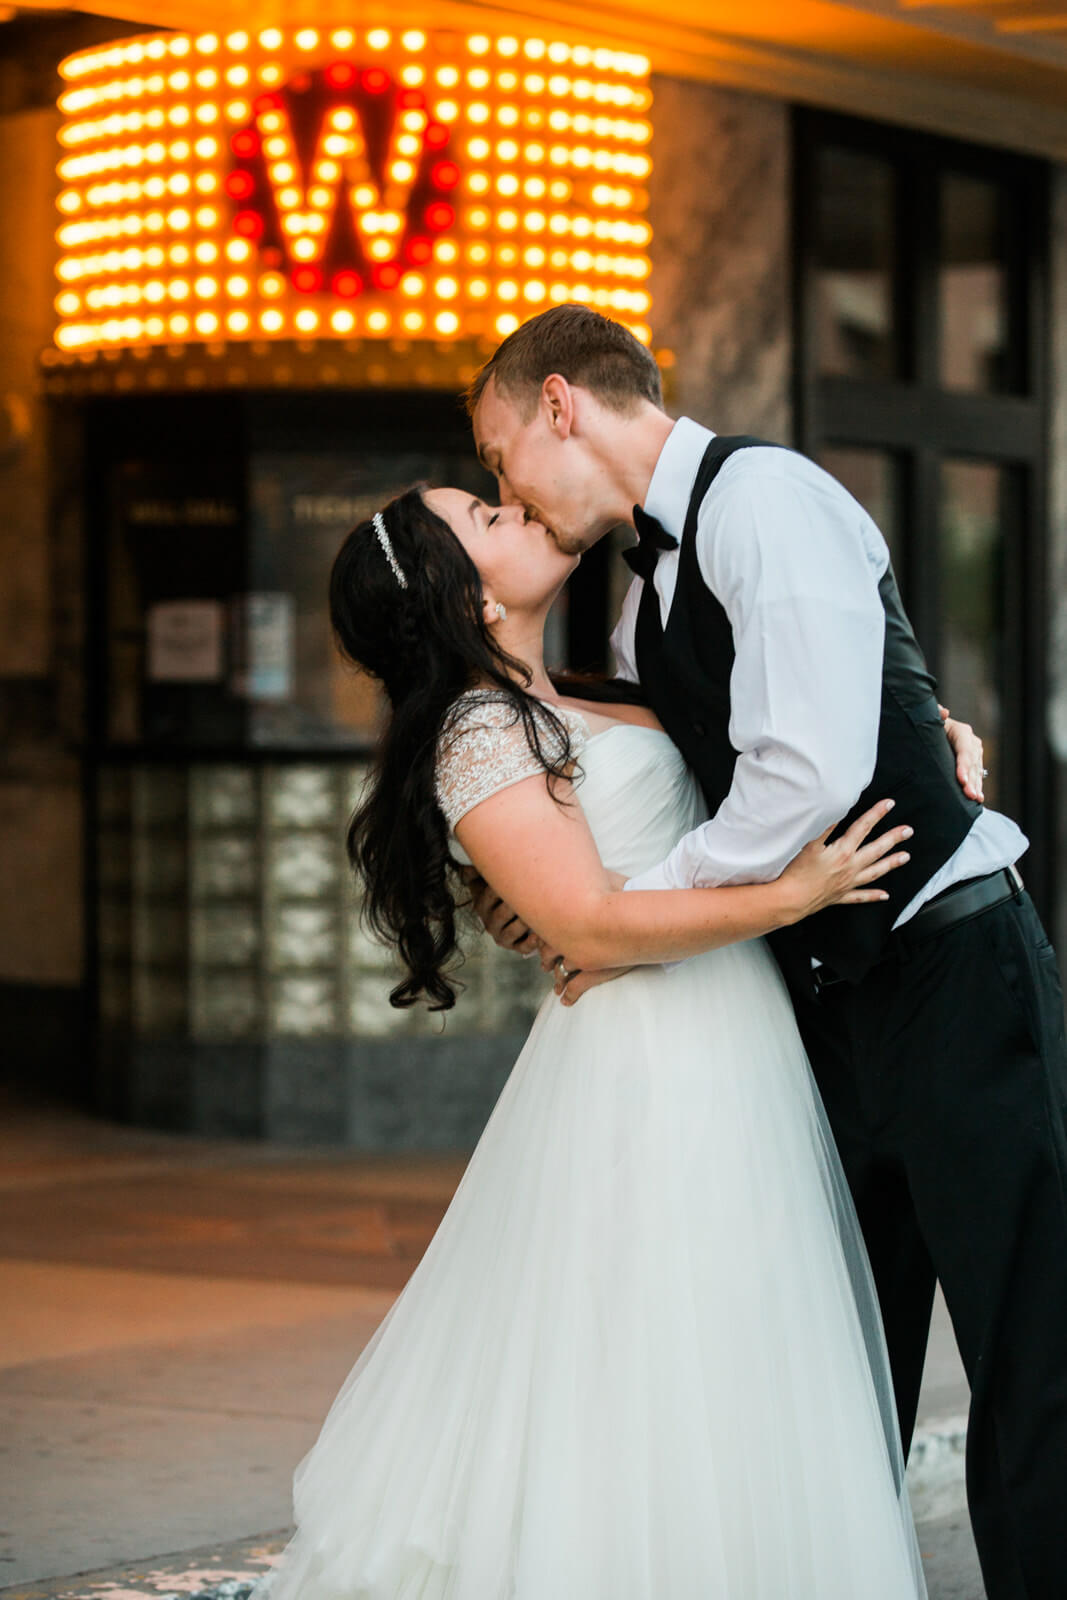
(179, 1314)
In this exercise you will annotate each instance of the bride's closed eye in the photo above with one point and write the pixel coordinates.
(492, 519)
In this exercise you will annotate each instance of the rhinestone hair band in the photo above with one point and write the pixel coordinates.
(387, 545)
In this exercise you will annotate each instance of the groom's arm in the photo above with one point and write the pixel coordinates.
(795, 563)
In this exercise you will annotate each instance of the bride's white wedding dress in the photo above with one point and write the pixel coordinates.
(641, 1358)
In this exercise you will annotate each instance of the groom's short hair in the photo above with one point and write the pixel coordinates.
(583, 347)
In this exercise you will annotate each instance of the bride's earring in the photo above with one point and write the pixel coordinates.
(501, 611)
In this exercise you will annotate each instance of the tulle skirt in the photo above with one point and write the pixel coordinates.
(641, 1358)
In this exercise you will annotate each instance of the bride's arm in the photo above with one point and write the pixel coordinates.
(542, 860)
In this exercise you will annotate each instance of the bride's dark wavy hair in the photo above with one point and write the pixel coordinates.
(426, 643)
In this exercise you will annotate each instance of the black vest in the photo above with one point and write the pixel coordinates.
(685, 670)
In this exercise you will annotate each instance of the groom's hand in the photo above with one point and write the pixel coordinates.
(570, 990)
(502, 924)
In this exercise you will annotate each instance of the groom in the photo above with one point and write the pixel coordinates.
(765, 627)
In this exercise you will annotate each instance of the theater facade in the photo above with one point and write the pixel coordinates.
(257, 260)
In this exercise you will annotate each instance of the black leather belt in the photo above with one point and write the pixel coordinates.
(946, 910)
(961, 901)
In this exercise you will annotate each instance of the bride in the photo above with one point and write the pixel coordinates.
(641, 1358)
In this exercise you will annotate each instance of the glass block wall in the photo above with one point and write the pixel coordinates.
(229, 932)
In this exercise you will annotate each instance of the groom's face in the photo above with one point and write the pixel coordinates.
(550, 475)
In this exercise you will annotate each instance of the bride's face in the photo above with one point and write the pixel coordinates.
(519, 561)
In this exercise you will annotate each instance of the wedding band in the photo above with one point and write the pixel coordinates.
(985, 772)
(566, 976)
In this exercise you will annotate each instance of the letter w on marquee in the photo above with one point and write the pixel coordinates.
(341, 163)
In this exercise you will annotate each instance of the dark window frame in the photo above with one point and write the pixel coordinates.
(920, 424)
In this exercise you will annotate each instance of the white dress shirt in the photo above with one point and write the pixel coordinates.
(795, 562)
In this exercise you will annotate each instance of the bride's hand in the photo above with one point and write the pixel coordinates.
(840, 873)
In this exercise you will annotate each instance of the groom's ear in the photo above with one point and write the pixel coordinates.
(557, 397)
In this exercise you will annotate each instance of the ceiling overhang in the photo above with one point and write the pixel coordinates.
(991, 71)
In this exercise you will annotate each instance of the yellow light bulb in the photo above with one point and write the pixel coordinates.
(207, 78)
(342, 321)
(178, 289)
(305, 249)
(237, 42)
(478, 288)
(207, 43)
(478, 182)
(207, 322)
(207, 217)
(271, 321)
(506, 324)
(507, 81)
(507, 220)
(238, 250)
(271, 285)
(446, 288)
(270, 39)
(534, 49)
(412, 76)
(478, 78)
(447, 77)
(378, 321)
(206, 251)
(179, 326)
(364, 195)
(448, 111)
(272, 72)
(379, 38)
(154, 327)
(342, 39)
(507, 116)
(307, 39)
(507, 150)
(413, 39)
(507, 290)
(307, 320)
(412, 321)
(206, 149)
(179, 254)
(446, 322)
(206, 288)
(478, 44)
(507, 184)
(402, 171)
(238, 321)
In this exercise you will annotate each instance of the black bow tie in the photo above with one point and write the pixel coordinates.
(653, 537)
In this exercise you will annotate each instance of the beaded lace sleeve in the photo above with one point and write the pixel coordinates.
(483, 749)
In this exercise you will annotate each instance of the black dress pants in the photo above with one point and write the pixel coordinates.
(944, 1074)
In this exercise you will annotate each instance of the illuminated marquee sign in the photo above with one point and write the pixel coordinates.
(315, 185)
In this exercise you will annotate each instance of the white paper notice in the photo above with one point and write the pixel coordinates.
(185, 641)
